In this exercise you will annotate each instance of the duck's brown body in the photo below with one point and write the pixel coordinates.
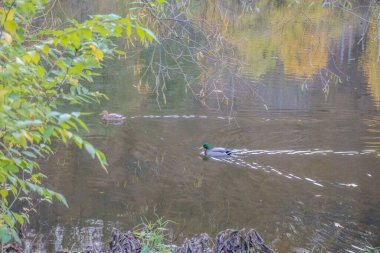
(111, 117)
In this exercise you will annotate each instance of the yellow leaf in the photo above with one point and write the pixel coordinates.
(73, 81)
(36, 57)
(3, 92)
(46, 49)
(93, 47)
(32, 56)
(202, 93)
(27, 58)
(11, 14)
(199, 56)
(55, 41)
(10, 26)
(7, 37)
(64, 40)
(2, 15)
(28, 137)
(98, 54)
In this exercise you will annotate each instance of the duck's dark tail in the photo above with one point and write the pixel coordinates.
(229, 152)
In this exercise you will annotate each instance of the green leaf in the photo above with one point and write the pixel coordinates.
(61, 63)
(19, 218)
(90, 149)
(4, 193)
(118, 31)
(5, 235)
(101, 156)
(74, 38)
(81, 123)
(87, 33)
(120, 52)
(28, 123)
(61, 198)
(9, 220)
(101, 30)
(64, 40)
(64, 117)
(15, 235)
(48, 132)
(78, 141)
(29, 154)
(40, 71)
(140, 32)
(13, 190)
(150, 34)
(128, 29)
(10, 166)
(33, 187)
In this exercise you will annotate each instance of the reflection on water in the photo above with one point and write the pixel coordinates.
(303, 119)
(76, 238)
(372, 139)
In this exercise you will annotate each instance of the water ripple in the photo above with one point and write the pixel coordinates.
(236, 160)
(302, 152)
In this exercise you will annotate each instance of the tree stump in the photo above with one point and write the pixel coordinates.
(238, 241)
(124, 243)
(197, 244)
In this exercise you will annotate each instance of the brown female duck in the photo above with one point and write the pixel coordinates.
(111, 117)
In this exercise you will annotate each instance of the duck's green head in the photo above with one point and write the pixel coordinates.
(206, 146)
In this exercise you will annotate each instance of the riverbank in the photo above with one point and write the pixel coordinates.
(229, 240)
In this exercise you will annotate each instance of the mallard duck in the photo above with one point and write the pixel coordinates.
(111, 117)
(215, 152)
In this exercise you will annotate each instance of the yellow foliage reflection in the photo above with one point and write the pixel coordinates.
(303, 51)
(371, 59)
(299, 36)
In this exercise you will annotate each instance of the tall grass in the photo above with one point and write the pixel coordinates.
(154, 236)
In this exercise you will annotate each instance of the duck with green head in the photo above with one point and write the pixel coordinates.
(214, 152)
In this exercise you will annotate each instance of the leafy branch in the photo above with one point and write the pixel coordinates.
(38, 70)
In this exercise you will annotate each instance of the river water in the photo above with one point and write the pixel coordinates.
(303, 122)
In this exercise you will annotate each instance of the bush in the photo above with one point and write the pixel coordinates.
(40, 69)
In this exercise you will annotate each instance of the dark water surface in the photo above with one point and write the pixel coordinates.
(306, 167)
